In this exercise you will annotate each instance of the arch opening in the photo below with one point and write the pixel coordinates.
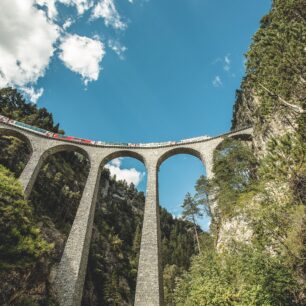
(58, 189)
(179, 171)
(115, 244)
(234, 163)
(15, 150)
(242, 137)
(176, 151)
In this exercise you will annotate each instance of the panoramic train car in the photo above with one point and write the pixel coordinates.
(43, 132)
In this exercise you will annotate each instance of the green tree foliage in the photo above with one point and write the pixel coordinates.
(234, 167)
(203, 189)
(178, 243)
(12, 105)
(58, 188)
(171, 276)
(276, 68)
(20, 239)
(14, 153)
(246, 277)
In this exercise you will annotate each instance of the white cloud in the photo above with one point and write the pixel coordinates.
(128, 175)
(117, 48)
(83, 55)
(50, 6)
(224, 61)
(68, 23)
(116, 162)
(217, 82)
(81, 5)
(27, 42)
(31, 93)
(227, 63)
(106, 9)
(227, 60)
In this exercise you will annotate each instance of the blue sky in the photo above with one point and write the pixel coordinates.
(132, 71)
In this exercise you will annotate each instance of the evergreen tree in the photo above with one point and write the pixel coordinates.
(191, 211)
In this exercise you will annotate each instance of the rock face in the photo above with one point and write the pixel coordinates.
(244, 109)
(245, 113)
(237, 229)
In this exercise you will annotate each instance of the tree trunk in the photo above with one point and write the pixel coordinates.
(196, 233)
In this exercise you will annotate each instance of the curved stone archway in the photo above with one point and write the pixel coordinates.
(181, 150)
(243, 137)
(17, 134)
(39, 155)
(23, 150)
(123, 153)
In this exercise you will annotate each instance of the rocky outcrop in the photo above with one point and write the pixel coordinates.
(235, 229)
(245, 113)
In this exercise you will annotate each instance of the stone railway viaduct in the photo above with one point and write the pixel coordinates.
(71, 271)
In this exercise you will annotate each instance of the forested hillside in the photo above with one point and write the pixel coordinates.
(33, 232)
(255, 253)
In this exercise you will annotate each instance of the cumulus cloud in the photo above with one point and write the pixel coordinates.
(106, 9)
(83, 55)
(117, 48)
(128, 175)
(27, 42)
(217, 82)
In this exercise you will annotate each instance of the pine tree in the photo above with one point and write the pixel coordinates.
(191, 211)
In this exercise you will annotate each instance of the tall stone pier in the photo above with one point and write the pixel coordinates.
(149, 289)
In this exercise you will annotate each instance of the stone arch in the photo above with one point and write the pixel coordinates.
(180, 150)
(37, 178)
(242, 136)
(65, 147)
(123, 153)
(22, 153)
(17, 134)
